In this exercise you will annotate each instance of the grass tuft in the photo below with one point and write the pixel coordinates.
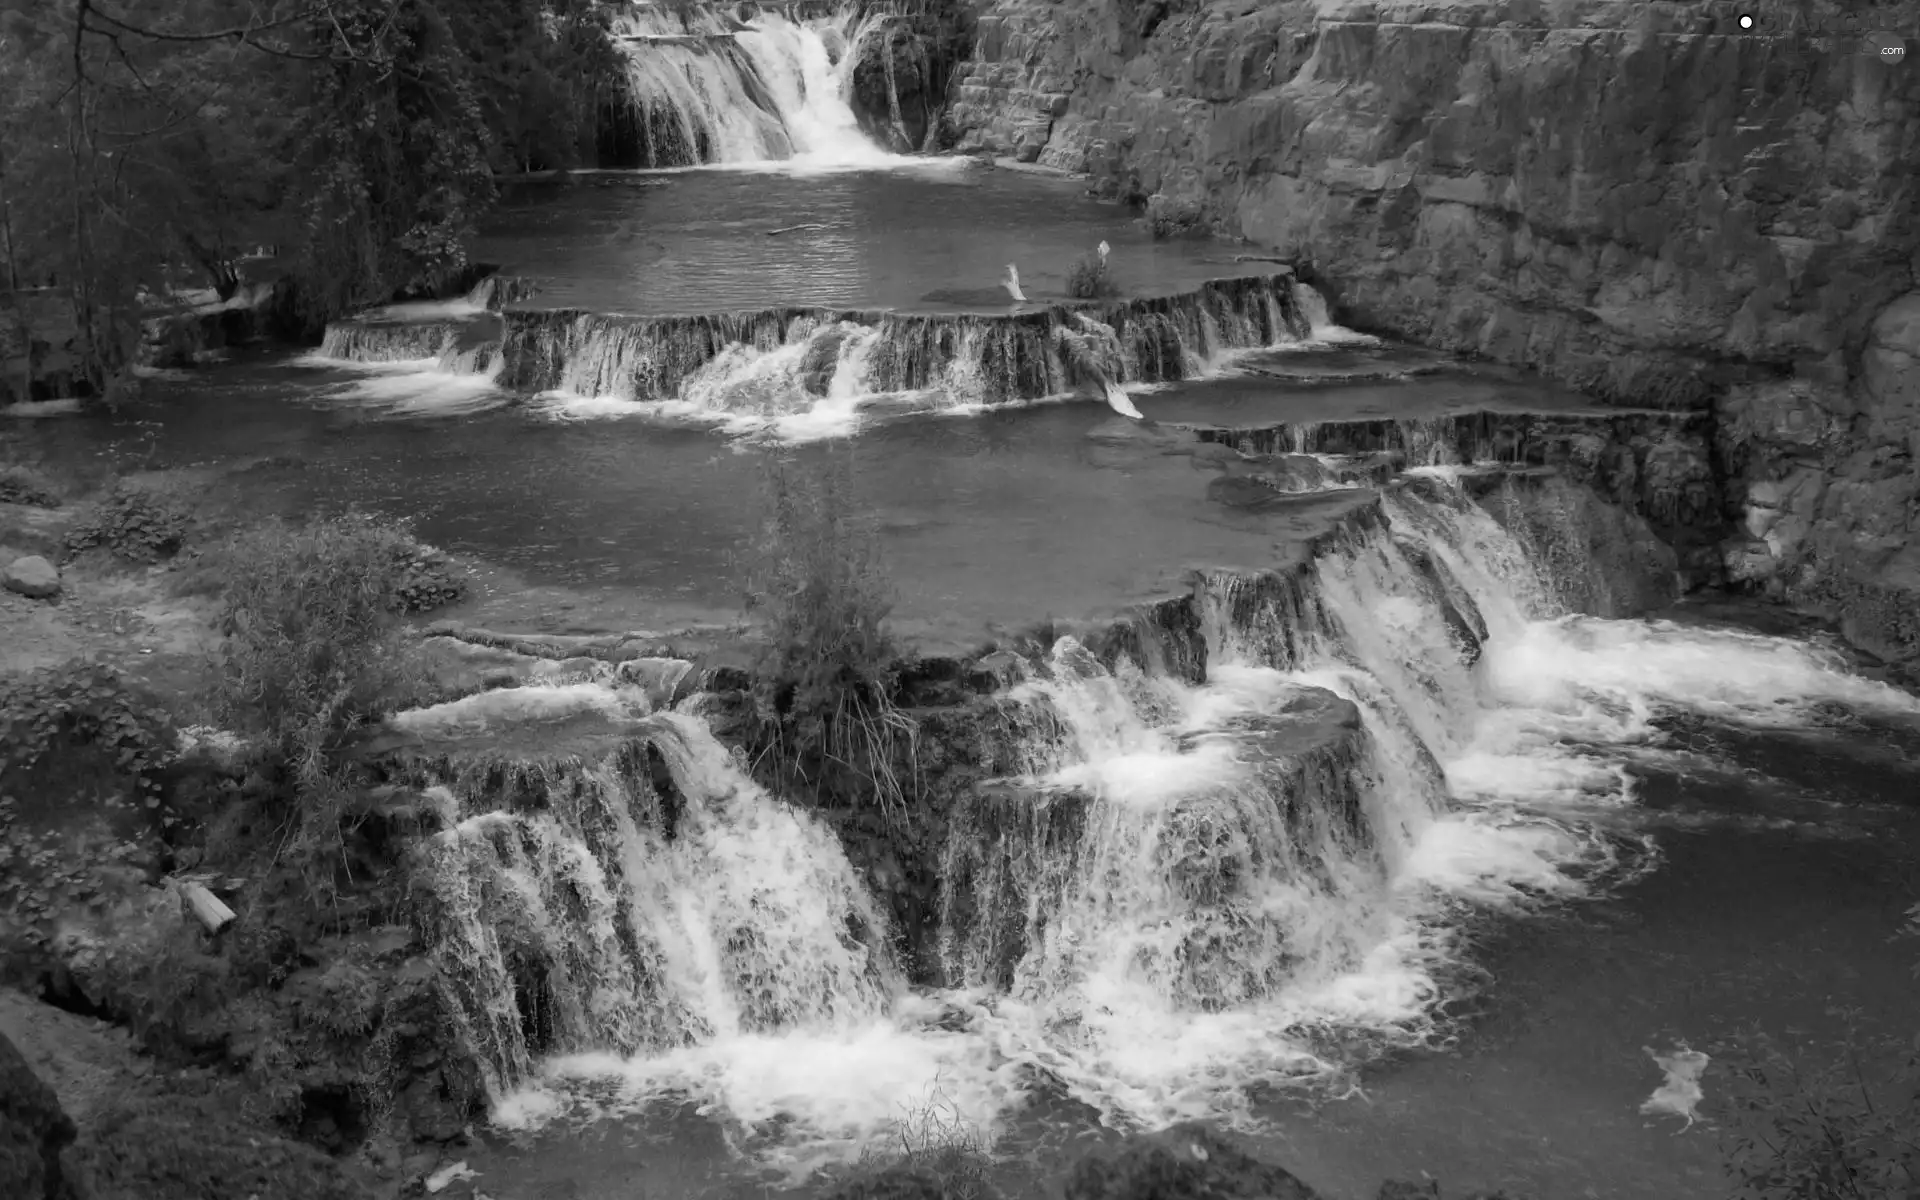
(1089, 278)
(825, 674)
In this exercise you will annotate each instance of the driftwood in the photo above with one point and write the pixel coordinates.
(793, 229)
(207, 908)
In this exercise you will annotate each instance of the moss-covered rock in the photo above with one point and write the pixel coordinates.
(33, 1131)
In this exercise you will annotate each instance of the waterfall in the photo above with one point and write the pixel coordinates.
(811, 366)
(701, 87)
(652, 900)
(1227, 845)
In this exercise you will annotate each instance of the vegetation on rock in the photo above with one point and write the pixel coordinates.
(826, 672)
(24, 485)
(136, 522)
(1169, 217)
(1089, 279)
(931, 1153)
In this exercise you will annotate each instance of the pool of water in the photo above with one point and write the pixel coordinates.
(994, 519)
(927, 238)
(1781, 861)
(1783, 853)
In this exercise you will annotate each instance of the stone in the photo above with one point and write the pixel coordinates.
(34, 1130)
(33, 577)
(1598, 189)
(1001, 669)
(175, 1150)
(1185, 1161)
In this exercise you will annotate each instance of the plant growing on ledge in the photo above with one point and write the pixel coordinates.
(824, 676)
(1090, 279)
(313, 649)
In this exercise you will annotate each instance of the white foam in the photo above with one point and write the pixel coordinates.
(533, 702)
(1680, 1094)
(1196, 940)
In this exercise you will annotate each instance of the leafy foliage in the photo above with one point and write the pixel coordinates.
(825, 675)
(24, 485)
(142, 150)
(79, 705)
(138, 523)
(1089, 279)
(1811, 1125)
(1815, 1124)
(1168, 217)
(312, 633)
(70, 735)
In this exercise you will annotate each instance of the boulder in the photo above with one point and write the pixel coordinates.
(177, 1150)
(1187, 1161)
(33, 577)
(33, 1132)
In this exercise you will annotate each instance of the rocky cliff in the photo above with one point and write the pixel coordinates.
(1634, 197)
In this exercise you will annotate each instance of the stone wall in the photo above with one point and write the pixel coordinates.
(1631, 196)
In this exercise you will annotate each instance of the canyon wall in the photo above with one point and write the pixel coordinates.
(1635, 198)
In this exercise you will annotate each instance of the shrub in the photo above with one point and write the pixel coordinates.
(1169, 217)
(825, 675)
(1089, 279)
(932, 1153)
(24, 485)
(1811, 1124)
(1827, 1125)
(138, 523)
(313, 640)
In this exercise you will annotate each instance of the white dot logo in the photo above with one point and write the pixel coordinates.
(1746, 22)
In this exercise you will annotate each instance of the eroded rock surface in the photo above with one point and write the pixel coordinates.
(1632, 196)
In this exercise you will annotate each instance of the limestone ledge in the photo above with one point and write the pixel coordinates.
(1628, 195)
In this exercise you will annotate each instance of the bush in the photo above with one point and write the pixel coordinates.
(1810, 1124)
(138, 523)
(1089, 279)
(1169, 217)
(313, 639)
(1827, 1125)
(24, 485)
(825, 676)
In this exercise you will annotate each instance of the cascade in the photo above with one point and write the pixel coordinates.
(700, 87)
(785, 360)
(647, 898)
(1228, 846)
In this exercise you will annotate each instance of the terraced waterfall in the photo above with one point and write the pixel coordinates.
(1246, 735)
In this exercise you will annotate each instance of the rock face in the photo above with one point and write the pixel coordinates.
(1185, 1161)
(33, 1132)
(1630, 195)
(902, 74)
(33, 577)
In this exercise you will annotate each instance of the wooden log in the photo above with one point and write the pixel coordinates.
(207, 907)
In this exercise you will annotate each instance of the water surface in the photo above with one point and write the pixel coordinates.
(930, 238)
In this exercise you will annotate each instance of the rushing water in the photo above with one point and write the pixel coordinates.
(704, 88)
(1195, 895)
(1411, 788)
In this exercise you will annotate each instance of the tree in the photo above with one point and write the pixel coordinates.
(146, 149)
